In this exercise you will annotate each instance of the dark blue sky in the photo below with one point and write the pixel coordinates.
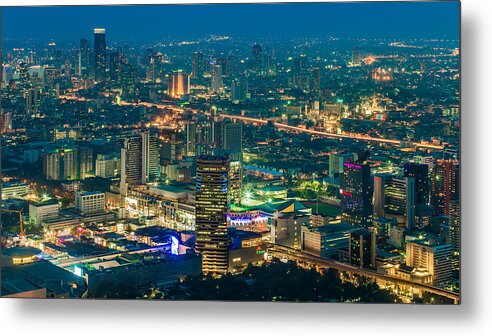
(157, 22)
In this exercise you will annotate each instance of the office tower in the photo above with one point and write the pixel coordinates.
(235, 181)
(399, 200)
(356, 194)
(315, 80)
(445, 185)
(128, 79)
(239, 89)
(267, 63)
(257, 58)
(216, 84)
(32, 103)
(380, 182)
(90, 202)
(154, 67)
(435, 259)
(300, 79)
(362, 249)
(150, 156)
(197, 65)
(84, 162)
(232, 63)
(84, 58)
(99, 54)
(190, 139)
(421, 174)
(422, 191)
(212, 203)
(67, 68)
(336, 162)
(178, 85)
(115, 60)
(225, 65)
(232, 137)
(455, 231)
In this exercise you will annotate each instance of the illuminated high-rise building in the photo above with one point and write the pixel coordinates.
(84, 58)
(423, 209)
(434, 258)
(362, 249)
(257, 58)
(399, 200)
(115, 60)
(239, 89)
(178, 85)
(212, 203)
(197, 65)
(232, 137)
(216, 83)
(32, 102)
(235, 181)
(99, 54)
(139, 160)
(315, 80)
(455, 231)
(128, 80)
(445, 185)
(356, 194)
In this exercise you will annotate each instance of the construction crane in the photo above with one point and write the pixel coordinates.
(22, 232)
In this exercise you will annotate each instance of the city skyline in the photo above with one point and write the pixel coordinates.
(313, 169)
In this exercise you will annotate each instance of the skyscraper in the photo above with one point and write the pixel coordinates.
(212, 202)
(84, 58)
(455, 231)
(139, 160)
(197, 65)
(315, 80)
(399, 200)
(150, 156)
(257, 58)
(216, 84)
(356, 194)
(232, 137)
(445, 185)
(178, 85)
(115, 60)
(239, 89)
(99, 54)
(362, 249)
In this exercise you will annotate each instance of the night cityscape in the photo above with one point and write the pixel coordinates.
(310, 154)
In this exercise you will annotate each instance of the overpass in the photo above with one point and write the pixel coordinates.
(285, 127)
(282, 252)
